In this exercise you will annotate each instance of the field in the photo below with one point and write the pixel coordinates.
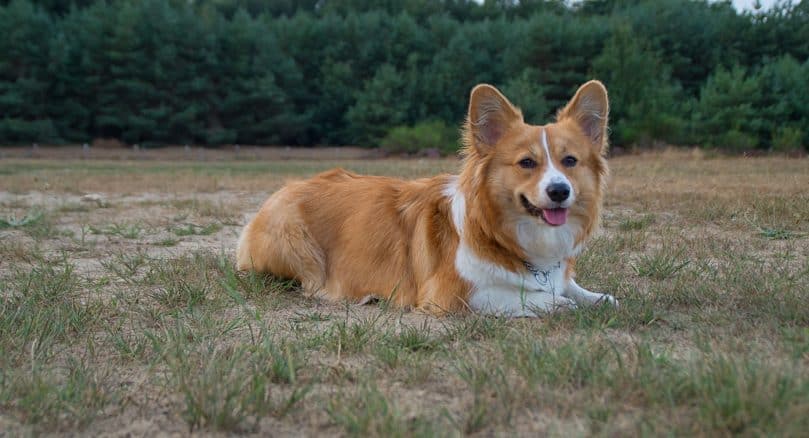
(121, 313)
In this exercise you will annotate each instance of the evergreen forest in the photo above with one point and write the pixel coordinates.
(396, 72)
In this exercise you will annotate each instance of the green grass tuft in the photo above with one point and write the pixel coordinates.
(197, 230)
(71, 397)
(778, 234)
(41, 307)
(661, 265)
(636, 224)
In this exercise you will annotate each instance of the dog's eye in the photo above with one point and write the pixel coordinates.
(569, 161)
(527, 163)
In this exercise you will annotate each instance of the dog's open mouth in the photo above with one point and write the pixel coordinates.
(551, 216)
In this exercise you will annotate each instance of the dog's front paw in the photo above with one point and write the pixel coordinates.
(563, 303)
(544, 304)
(606, 300)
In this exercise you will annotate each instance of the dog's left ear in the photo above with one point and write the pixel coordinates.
(590, 109)
(490, 116)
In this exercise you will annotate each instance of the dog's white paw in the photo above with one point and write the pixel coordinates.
(564, 303)
(606, 300)
(551, 305)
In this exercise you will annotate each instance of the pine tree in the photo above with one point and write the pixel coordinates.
(784, 86)
(726, 114)
(378, 107)
(115, 59)
(643, 96)
(526, 88)
(79, 71)
(335, 87)
(560, 50)
(24, 74)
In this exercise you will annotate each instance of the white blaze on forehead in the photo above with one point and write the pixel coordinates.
(552, 175)
(552, 172)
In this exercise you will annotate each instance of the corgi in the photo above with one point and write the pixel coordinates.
(501, 237)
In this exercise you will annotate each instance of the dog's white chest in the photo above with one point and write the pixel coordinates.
(483, 274)
(547, 278)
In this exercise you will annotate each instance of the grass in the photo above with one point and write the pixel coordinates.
(133, 314)
(121, 229)
(778, 234)
(71, 398)
(196, 230)
(125, 264)
(221, 388)
(41, 308)
(181, 283)
(35, 222)
(660, 265)
(17, 251)
(30, 218)
(220, 211)
(368, 412)
(415, 338)
(636, 224)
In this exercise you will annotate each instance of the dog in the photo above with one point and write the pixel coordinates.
(501, 237)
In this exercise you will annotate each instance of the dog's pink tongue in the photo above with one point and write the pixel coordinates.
(555, 216)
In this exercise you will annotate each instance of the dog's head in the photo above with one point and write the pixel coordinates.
(551, 173)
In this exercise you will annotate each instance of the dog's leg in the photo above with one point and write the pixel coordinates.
(515, 304)
(584, 297)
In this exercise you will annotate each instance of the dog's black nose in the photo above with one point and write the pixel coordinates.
(558, 192)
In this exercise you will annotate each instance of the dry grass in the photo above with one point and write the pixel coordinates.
(122, 314)
(184, 177)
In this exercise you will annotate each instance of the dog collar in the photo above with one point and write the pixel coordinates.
(541, 276)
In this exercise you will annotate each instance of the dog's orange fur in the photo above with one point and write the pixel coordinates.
(349, 236)
(346, 236)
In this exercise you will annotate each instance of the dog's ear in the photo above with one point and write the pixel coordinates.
(590, 109)
(490, 116)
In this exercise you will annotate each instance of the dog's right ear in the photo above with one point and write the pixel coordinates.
(590, 109)
(490, 116)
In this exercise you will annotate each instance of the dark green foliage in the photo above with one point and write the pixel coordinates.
(379, 106)
(526, 88)
(646, 102)
(157, 72)
(24, 75)
(785, 86)
(423, 136)
(726, 113)
(561, 50)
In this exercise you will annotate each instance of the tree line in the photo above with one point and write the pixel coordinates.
(312, 72)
